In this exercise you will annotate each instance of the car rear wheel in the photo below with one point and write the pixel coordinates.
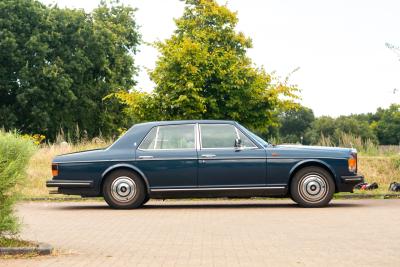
(312, 187)
(123, 189)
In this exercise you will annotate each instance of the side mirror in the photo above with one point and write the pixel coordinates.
(238, 143)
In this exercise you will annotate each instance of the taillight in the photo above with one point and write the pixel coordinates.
(352, 162)
(54, 169)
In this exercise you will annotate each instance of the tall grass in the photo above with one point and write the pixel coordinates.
(39, 169)
(15, 153)
(365, 147)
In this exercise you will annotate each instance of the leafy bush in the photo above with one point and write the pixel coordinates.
(15, 152)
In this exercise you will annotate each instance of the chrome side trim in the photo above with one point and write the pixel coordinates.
(132, 160)
(91, 161)
(217, 188)
(269, 157)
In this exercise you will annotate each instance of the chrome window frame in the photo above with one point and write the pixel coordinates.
(171, 149)
(222, 148)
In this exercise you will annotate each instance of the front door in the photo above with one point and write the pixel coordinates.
(221, 164)
(168, 156)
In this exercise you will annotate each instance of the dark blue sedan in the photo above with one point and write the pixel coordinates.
(204, 158)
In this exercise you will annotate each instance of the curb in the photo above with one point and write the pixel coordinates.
(352, 196)
(41, 249)
(369, 196)
(55, 198)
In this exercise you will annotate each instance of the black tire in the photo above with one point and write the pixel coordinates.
(312, 187)
(146, 199)
(292, 199)
(124, 189)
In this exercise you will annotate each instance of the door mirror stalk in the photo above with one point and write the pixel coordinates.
(238, 144)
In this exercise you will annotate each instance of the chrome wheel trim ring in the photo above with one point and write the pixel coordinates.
(123, 189)
(313, 187)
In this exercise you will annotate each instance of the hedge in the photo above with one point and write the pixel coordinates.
(15, 152)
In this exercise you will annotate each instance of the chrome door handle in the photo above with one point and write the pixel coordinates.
(146, 157)
(208, 156)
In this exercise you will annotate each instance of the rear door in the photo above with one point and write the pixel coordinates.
(221, 164)
(168, 156)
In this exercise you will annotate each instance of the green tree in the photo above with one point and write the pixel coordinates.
(203, 73)
(387, 125)
(333, 128)
(57, 65)
(294, 123)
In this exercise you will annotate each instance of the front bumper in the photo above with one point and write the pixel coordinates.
(356, 179)
(347, 183)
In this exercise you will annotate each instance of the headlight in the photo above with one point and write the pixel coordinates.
(352, 162)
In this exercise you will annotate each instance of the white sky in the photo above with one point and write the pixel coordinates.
(339, 46)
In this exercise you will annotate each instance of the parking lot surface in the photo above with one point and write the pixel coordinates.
(214, 233)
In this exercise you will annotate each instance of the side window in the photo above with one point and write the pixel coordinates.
(170, 137)
(222, 136)
(246, 142)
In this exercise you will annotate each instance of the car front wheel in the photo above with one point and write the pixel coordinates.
(123, 189)
(312, 187)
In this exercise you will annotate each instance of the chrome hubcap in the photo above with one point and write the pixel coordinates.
(313, 187)
(123, 189)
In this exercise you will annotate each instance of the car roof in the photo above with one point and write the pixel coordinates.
(184, 122)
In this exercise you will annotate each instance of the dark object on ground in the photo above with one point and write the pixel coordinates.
(41, 249)
(360, 185)
(395, 186)
(371, 186)
(366, 186)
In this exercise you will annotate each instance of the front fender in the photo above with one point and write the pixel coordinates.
(308, 162)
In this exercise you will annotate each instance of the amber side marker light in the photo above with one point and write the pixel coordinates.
(54, 169)
(352, 162)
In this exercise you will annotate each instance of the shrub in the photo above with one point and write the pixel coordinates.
(15, 152)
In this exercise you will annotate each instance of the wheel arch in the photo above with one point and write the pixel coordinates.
(312, 163)
(124, 166)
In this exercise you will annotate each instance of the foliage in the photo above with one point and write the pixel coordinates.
(56, 66)
(334, 128)
(387, 125)
(15, 242)
(381, 127)
(36, 138)
(294, 123)
(203, 73)
(15, 152)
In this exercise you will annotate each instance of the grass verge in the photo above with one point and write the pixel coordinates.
(15, 242)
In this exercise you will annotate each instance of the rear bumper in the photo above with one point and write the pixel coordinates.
(70, 183)
(85, 188)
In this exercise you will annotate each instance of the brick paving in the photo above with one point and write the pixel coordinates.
(214, 233)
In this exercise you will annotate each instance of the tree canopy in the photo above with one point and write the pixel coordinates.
(203, 72)
(294, 123)
(57, 65)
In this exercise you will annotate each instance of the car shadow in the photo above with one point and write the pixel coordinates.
(201, 205)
